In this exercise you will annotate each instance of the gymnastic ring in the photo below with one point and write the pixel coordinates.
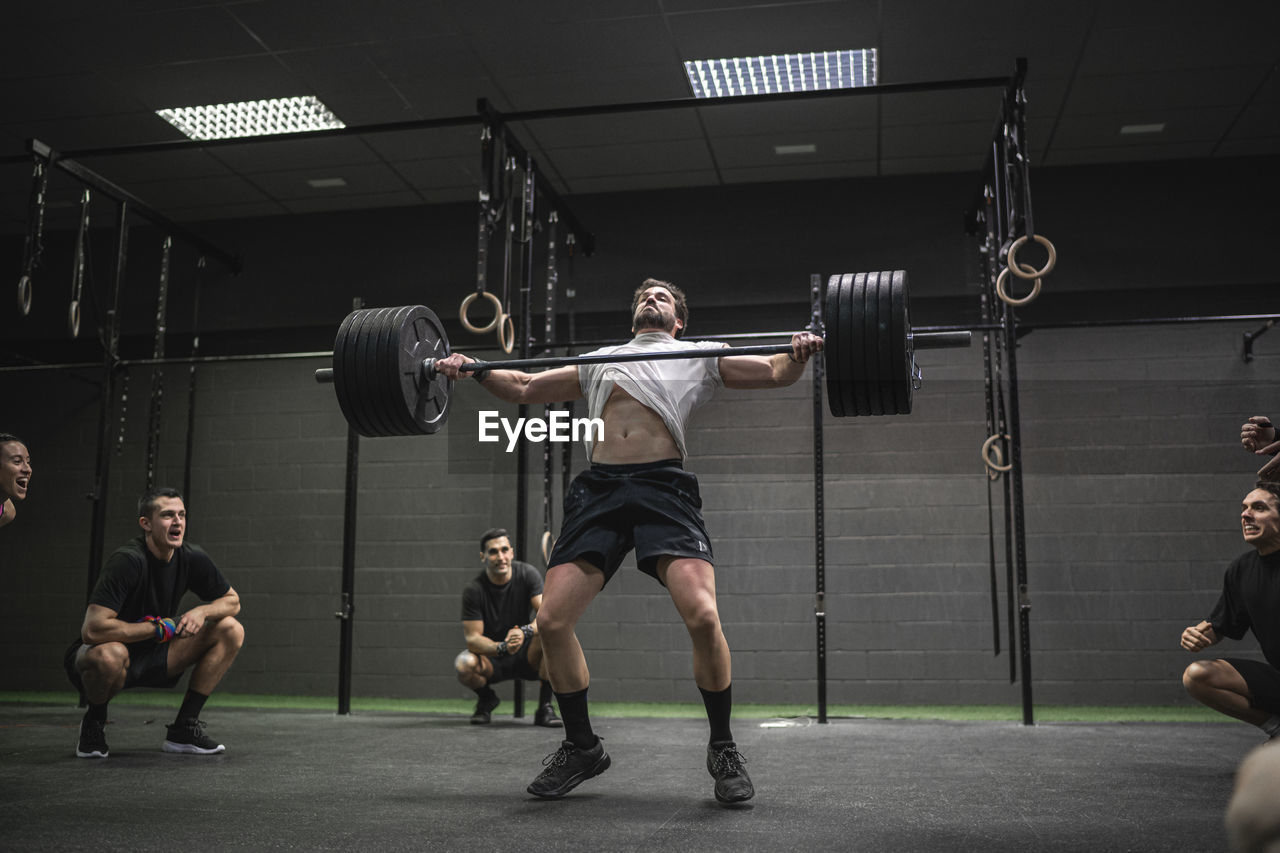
(1033, 272)
(548, 542)
(73, 318)
(1004, 294)
(986, 455)
(993, 474)
(24, 294)
(506, 340)
(466, 303)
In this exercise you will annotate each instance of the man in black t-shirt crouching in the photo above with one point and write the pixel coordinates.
(498, 609)
(133, 636)
(1248, 690)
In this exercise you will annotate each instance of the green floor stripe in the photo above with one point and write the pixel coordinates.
(672, 710)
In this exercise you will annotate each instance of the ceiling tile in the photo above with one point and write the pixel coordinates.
(590, 46)
(767, 29)
(635, 159)
(1209, 87)
(655, 181)
(613, 129)
(186, 192)
(295, 24)
(737, 152)
(218, 81)
(266, 155)
(362, 180)
(441, 172)
(463, 141)
(115, 39)
(853, 111)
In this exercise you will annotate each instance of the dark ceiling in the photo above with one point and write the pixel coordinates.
(88, 74)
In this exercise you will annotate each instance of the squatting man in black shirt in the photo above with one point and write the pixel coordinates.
(498, 607)
(1248, 690)
(133, 635)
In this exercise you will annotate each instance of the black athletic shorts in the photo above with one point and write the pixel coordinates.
(1263, 680)
(148, 665)
(509, 667)
(653, 507)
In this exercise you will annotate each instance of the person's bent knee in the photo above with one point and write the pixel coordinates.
(1197, 676)
(703, 620)
(105, 659)
(466, 663)
(551, 626)
(229, 631)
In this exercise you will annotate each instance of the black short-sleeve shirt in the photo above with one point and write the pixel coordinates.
(1250, 600)
(134, 583)
(501, 607)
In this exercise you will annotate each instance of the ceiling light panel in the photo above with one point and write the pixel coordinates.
(252, 118)
(781, 73)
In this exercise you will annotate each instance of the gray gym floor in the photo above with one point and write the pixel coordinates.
(384, 781)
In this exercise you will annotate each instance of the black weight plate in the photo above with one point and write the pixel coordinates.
(853, 345)
(871, 347)
(911, 358)
(901, 357)
(833, 349)
(340, 381)
(353, 371)
(857, 390)
(884, 334)
(367, 354)
(396, 409)
(422, 337)
(852, 357)
(384, 376)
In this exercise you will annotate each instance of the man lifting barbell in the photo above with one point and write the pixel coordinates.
(636, 494)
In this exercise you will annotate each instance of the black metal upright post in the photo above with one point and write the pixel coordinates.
(347, 613)
(102, 467)
(525, 238)
(819, 507)
(1019, 522)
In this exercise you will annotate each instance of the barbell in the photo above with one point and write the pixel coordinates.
(386, 383)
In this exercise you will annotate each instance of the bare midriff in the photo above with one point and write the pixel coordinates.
(632, 433)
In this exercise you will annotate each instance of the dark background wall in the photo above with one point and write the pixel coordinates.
(1133, 470)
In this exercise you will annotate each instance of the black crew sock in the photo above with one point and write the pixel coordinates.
(719, 707)
(96, 712)
(544, 694)
(577, 723)
(192, 704)
(486, 693)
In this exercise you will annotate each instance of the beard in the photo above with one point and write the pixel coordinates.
(649, 318)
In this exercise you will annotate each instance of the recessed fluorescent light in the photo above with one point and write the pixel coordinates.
(323, 183)
(795, 149)
(1129, 129)
(783, 72)
(251, 118)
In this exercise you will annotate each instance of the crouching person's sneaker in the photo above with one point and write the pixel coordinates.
(93, 739)
(725, 764)
(568, 767)
(188, 736)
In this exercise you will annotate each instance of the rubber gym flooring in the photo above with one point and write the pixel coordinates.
(312, 780)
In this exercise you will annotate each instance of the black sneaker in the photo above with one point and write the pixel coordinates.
(484, 707)
(724, 763)
(189, 737)
(546, 717)
(567, 768)
(93, 739)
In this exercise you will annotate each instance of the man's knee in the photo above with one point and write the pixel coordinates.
(551, 625)
(703, 619)
(466, 663)
(1199, 676)
(104, 659)
(229, 632)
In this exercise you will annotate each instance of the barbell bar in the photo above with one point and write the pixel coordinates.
(386, 383)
